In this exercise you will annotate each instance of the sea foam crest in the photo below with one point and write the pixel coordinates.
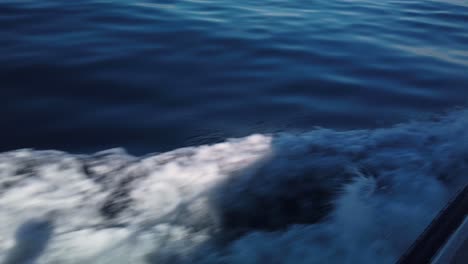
(325, 196)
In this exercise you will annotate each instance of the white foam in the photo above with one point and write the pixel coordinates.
(317, 197)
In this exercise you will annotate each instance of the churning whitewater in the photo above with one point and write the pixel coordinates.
(319, 197)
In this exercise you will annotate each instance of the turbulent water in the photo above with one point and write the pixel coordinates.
(324, 196)
(317, 131)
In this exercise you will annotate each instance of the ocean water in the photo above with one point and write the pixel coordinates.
(228, 131)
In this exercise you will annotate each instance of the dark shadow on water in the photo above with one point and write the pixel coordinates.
(31, 240)
(293, 186)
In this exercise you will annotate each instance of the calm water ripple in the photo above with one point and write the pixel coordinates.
(157, 75)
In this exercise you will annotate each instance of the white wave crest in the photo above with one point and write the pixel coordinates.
(324, 196)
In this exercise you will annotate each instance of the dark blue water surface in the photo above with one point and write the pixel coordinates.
(157, 75)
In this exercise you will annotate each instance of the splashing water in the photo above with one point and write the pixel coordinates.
(359, 196)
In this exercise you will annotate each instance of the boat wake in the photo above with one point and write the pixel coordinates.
(325, 196)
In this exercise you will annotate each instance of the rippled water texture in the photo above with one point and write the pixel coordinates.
(157, 75)
(84, 76)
